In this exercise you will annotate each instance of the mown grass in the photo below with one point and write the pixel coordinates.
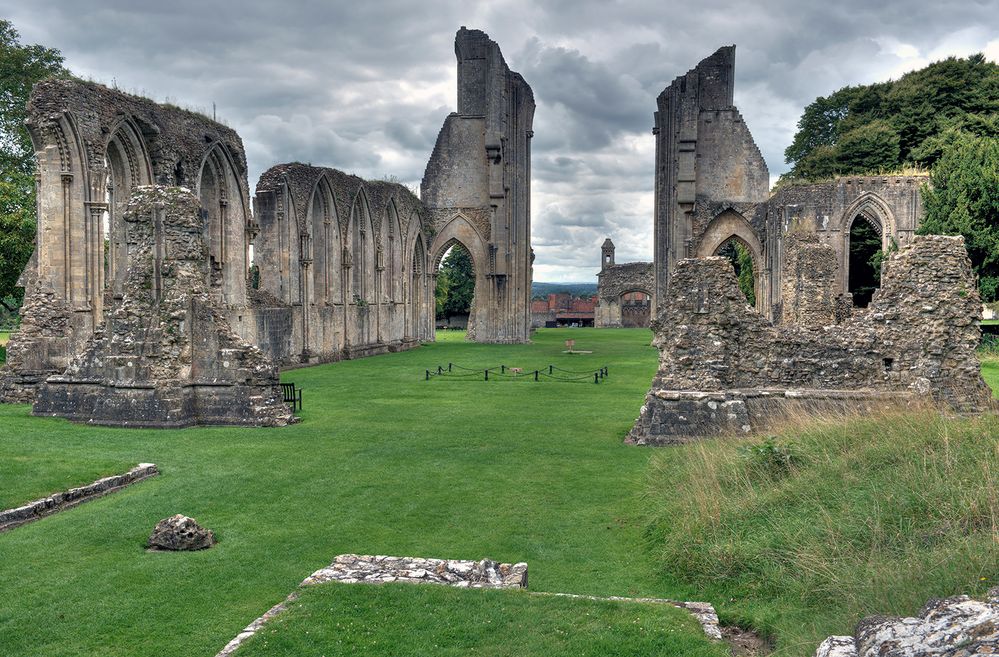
(874, 515)
(990, 369)
(416, 621)
(383, 462)
(831, 521)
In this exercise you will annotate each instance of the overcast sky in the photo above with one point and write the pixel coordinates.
(364, 85)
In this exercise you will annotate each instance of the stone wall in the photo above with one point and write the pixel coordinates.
(725, 368)
(165, 354)
(477, 188)
(93, 146)
(707, 165)
(808, 285)
(711, 186)
(615, 280)
(346, 258)
(955, 627)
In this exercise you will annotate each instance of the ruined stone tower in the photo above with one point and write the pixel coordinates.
(477, 187)
(710, 174)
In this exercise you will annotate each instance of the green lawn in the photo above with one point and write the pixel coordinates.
(443, 622)
(877, 515)
(383, 462)
(990, 371)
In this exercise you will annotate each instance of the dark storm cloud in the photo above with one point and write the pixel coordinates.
(364, 86)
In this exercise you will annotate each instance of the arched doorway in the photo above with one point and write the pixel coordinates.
(739, 254)
(455, 288)
(865, 244)
(636, 308)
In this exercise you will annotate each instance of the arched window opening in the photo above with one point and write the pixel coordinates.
(119, 188)
(359, 237)
(455, 291)
(864, 265)
(636, 309)
(742, 261)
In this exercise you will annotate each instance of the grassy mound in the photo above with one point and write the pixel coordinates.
(802, 534)
(404, 620)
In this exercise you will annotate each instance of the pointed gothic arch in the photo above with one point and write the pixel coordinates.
(224, 213)
(726, 227)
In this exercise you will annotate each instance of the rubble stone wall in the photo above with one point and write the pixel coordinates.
(165, 354)
(724, 367)
(93, 146)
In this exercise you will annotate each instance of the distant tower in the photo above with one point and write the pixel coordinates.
(607, 254)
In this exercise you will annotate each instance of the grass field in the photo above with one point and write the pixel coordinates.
(990, 370)
(383, 462)
(873, 515)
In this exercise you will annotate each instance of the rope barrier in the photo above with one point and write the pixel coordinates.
(554, 373)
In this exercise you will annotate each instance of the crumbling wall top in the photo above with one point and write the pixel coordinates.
(178, 140)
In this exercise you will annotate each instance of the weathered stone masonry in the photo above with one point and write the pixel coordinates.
(345, 267)
(165, 355)
(93, 146)
(477, 188)
(725, 369)
(615, 281)
(711, 187)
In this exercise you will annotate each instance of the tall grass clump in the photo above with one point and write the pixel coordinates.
(802, 534)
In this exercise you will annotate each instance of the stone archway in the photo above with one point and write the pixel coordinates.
(459, 230)
(868, 213)
(729, 226)
(636, 308)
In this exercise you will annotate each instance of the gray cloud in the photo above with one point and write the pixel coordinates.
(364, 86)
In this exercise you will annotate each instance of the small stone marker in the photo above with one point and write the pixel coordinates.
(180, 533)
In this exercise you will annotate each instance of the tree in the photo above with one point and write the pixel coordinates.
(883, 126)
(21, 66)
(455, 283)
(963, 199)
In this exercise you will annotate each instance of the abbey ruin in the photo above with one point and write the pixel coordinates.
(155, 288)
(156, 297)
(814, 342)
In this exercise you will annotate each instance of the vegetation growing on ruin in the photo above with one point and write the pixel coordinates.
(870, 516)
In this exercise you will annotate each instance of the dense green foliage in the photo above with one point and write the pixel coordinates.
(806, 532)
(341, 620)
(963, 199)
(455, 283)
(909, 121)
(742, 262)
(21, 66)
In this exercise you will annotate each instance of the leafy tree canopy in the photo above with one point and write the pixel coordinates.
(887, 125)
(963, 199)
(455, 283)
(21, 66)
